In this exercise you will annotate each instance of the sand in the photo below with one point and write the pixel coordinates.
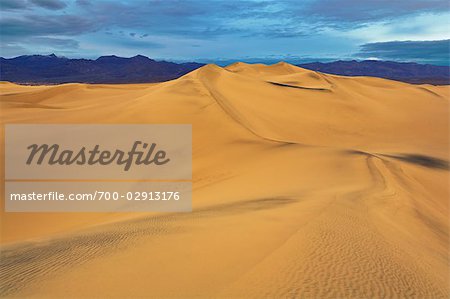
(306, 185)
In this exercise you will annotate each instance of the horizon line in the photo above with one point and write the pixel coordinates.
(249, 60)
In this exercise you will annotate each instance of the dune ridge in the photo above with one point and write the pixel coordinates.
(306, 185)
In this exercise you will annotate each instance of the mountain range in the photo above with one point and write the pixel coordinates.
(39, 69)
(401, 71)
(51, 69)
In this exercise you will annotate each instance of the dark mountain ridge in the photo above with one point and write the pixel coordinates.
(401, 71)
(39, 69)
(51, 69)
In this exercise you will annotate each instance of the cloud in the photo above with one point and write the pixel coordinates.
(83, 2)
(39, 25)
(139, 44)
(436, 52)
(61, 43)
(340, 12)
(196, 18)
(41, 45)
(13, 4)
(131, 41)
(23, 4)
(9, 50)
(50, 4)
(212, 19)
(261, 27)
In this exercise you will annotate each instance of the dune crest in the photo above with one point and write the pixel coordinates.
(305, 185)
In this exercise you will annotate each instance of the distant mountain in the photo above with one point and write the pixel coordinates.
(36, 69)
(400, 71)
(50, 69)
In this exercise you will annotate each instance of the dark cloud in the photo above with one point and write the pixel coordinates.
(37, 25)
(50, 4)
(13, 4)
(435, 52)
(191, 18)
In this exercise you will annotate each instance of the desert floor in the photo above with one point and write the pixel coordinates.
(306, 185)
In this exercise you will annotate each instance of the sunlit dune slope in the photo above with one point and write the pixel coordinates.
(305, 185)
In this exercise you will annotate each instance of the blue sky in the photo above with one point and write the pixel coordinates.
(214, 31)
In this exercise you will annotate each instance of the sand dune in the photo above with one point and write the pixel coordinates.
(306, 185)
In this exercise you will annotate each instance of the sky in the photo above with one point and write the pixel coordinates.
(226, 31)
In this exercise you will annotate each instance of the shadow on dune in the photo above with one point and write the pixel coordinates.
(422, 160)
(298, 87)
